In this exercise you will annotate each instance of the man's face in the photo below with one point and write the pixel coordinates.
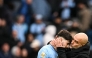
(24, 53)
(38, 21)
(63, 42)
(28, 1)
(5, 47)
(1, 2)
(58, 21)
(18, 52)
(81, 6)
(76, 42)
(21, 19)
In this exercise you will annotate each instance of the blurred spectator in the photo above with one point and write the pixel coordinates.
(4, 13)
(30, 38)
(84, 16)
(16, 52)
(54, 15)
(58, 24)
(65, 14)
(41, 7)
(36, 46)
(14, 37)
(38, 27)
(4, 32)
(74, 28)
(21, 28)
(1, 2)
(89, 33)
(90, 5)
(16, 5)
(55, 7)
(50, 33)
(27, 44)
(66, 5)
(26, 10)
(24, 53)
(5, 51)
(75, 9)
(68, 23)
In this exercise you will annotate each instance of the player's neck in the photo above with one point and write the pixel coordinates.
(52, 43)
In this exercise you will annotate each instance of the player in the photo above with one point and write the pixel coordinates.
(63, 38)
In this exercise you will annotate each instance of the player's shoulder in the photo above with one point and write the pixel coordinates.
(45, 47)
(43, 52)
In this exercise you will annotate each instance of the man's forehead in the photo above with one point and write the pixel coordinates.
(60, 37)
(63, 39)
(77, 38)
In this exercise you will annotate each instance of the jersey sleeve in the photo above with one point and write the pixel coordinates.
(42, 53)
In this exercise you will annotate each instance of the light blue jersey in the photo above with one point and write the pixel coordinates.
(47, 51)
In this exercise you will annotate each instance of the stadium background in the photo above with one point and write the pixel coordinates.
(27, 25)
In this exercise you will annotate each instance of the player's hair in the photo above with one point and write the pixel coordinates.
(65, 34)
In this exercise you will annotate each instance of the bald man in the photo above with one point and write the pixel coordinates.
(80, 47)
(79, 40)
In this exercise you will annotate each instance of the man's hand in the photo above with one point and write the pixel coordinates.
(61, 43)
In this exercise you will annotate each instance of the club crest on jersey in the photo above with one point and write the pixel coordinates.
(43, 55)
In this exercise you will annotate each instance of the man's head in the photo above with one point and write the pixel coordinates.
(3, 22)
(20, 19)
(79, 40)
(29, 1)
(1, 2)
(5, 47)
(24, 53)
(58, 20)
(38, 18)
(14, 34)
(16, 51)
(64, 38)
(82, 5)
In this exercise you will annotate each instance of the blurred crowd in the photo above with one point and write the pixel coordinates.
(27, 25)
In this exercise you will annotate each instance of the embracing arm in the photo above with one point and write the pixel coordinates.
(61, 52)
(82, 56)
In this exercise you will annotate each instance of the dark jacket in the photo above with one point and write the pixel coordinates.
(3, 55)
(5, 36)
(82, 52)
